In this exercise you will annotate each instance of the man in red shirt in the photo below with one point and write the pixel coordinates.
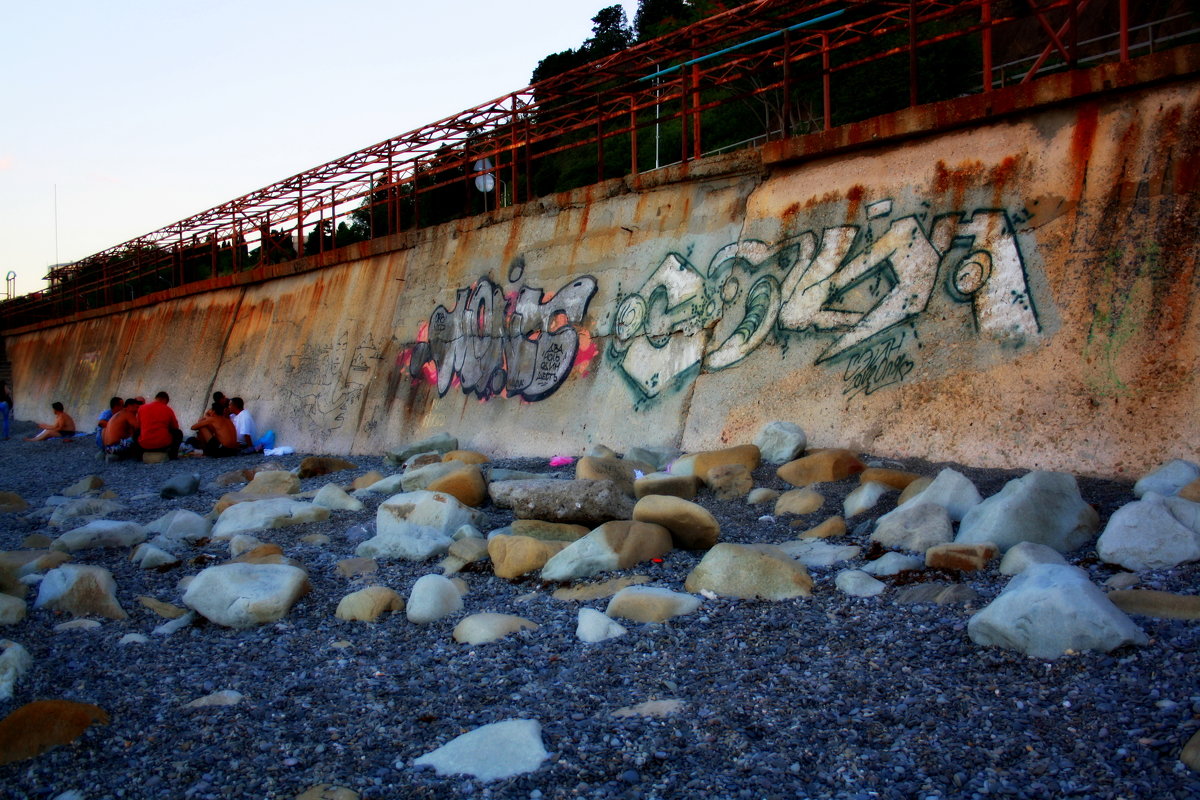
(158, 429)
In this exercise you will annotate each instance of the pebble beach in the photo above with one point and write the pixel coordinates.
(827, 696)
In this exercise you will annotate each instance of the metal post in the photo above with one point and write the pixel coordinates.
(683, 113)
(826, 87)
(633, 142)
(696, 104)
(987, 45)
(912, 52)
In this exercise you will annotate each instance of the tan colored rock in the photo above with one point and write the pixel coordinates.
(36, 727)
(683, 486)
(354, 567)
(465, 485)
(549, 531)
(913, 489)
(834, 526)
(1160, 605)
(37, 541)
(1190, 755)
(327, 791)
(12, 611)
(255, 550)
(747, 455)
(234, 477)
(11, 502)
(893, 478)
(729, 481)
(363, 481)
(273, 482)
(312, 466)
(164, 610)
(822, 466)
(82, 486)
(25, 562)
(692, 527)
(466, 457)
(464, 551)
(764, 572)
(154, 458)
(81, 591)
(961, 557)
(233, 498)
(761, 495)
(798, 501)
(514, 556)
(650, 604)
(366, 605)
(622, 473)
(488, 627)
(1191, 491)
(266, 554)
(597, 591)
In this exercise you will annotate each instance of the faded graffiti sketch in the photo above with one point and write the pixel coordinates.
(861, 292)
(520, 345)
(323, 381)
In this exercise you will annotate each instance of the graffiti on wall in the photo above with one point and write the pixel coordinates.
(522, 344)
(324, 381)
(857, 290)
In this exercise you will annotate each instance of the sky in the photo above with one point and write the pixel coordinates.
(118, 118)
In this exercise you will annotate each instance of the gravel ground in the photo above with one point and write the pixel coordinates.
(830, 696)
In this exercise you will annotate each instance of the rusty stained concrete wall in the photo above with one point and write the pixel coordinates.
(1017, 294)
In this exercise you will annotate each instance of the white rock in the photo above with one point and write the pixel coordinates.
(73, 511)
(257, 515)
(389, 486)
(864, 498)
(915, 526)
(80, 590)
(15, 661)
(133, 638)
(1049, 609)
(815, 553)
(181, 525)
(952, 491)
(416, 526)
(242, 543)
(12, 609)
(1023, 555)
(857, 583)
(413, 480)
(492, 752)
(594, 626)
(1155, 532)
(172, 625)
(433, 597)
(245, 595)
(334, 497)
(894, 564)
(225, 697)
(488, 627)
(101, 533)
(1168, 479)
(147, 556)
(77, 625)
(1042, 507)
(780, 442)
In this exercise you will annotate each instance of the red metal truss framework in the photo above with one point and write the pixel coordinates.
(756, 49)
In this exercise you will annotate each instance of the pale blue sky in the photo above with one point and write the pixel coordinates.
(144, 112)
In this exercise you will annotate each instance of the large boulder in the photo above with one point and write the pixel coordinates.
(915, 526)
(822, 466)
(432, 598)
(1041, 507)
(273, 481)
(691, 525)
(779, 442)
(181, 525)
(951, 490)
(1049, 609)
(749, 572)
(101, 533)
(257, 515)
(416, 526)
(245, 595)
(1168, 479)
(514, 556)
(81, 591)
(614, 545)
(580, 501)
(1155, 532)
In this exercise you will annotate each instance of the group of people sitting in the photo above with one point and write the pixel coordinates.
(132, 427)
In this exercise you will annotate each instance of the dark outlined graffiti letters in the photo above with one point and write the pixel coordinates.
(523, 345)
(845, 284)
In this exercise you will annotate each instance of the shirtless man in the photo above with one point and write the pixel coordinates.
(217, 432)
(62, 426)
(120, 431)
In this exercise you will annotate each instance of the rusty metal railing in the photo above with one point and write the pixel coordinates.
(765, 70)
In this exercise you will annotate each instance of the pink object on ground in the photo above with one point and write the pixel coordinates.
(561, 461)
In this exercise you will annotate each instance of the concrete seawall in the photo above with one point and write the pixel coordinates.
(1015, 292)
